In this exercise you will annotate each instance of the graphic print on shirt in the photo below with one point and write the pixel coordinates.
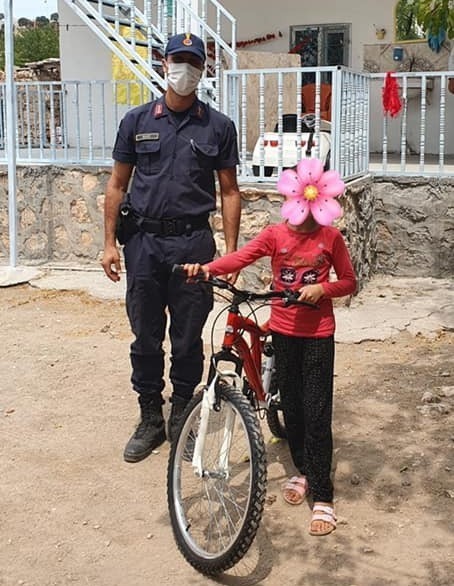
(309, 277)
(287, 275)
(313, 260)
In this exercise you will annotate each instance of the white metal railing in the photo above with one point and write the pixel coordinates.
(75, 122)
(420, 139)
(69, 122)
(263, 101)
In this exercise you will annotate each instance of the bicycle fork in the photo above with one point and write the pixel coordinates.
(209, 404)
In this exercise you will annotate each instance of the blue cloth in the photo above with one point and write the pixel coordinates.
(187, 43)
(435, 41)
(175, 156)
(151, 289)
(175, 162)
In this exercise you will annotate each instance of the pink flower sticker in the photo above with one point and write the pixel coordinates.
(309, 189)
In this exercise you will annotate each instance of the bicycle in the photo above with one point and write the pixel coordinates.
(216, 479)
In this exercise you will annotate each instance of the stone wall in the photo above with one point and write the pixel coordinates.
(60, 219)
(261, 206)
(401, 227)
(415, 226)
(59, 214)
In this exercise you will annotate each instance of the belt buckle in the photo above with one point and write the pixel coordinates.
(169, 227)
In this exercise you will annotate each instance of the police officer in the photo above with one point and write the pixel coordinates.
(174, 145)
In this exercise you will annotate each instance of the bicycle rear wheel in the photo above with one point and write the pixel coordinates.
(216, 517)
(274, 415)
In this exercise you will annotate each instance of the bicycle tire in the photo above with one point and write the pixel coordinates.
(274, 415)
(215, 518)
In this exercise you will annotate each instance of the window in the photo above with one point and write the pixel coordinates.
(321, 44)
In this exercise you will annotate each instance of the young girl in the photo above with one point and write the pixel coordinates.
(303, 249)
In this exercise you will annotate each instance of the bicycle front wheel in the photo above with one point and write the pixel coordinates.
(215, 516)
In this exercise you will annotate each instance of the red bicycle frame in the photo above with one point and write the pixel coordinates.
(250, 355)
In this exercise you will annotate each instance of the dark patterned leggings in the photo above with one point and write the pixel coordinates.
(304, 368)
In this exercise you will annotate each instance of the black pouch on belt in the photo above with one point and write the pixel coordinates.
(126, 223)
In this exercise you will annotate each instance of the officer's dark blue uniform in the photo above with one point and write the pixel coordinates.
(174, 183)
(173, 180)
(173, 156)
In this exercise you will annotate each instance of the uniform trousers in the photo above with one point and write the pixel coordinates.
(304, 369)
(154, 295)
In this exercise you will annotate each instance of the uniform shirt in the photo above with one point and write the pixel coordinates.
(298, 259)
(175, 164)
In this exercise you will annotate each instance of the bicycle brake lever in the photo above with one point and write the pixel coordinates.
(292, 299)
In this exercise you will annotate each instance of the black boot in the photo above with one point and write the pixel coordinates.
(150, 432)
(176, 412)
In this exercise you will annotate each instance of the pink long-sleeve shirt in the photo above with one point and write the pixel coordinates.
(298, 259)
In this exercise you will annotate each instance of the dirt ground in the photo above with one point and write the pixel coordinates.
(72, 512)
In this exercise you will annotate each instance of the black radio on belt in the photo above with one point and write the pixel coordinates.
(126, 224)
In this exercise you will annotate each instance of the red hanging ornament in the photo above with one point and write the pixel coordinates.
(392, 104)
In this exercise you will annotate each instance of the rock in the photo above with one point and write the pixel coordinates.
(447, 392)
(429, 397)
(355, 479)
(270, 499)
(434, 409)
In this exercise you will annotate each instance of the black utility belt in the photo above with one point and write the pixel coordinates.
(130, 222)
(172, 226)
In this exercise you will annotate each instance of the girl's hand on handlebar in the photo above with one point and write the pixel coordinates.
(311, 293)
(194, 270)
(231, 278)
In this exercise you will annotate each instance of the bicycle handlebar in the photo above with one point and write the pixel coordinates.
(287, 295)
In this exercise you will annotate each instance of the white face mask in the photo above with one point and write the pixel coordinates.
(183, 78)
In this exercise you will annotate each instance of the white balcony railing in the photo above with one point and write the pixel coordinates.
(75, 122)
(420, 139)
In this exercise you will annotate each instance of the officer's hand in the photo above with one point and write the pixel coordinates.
(111, 263)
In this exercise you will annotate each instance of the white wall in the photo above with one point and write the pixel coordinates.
(279, 15)
(85, 57)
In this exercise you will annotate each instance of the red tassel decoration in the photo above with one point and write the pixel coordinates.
(392, 104)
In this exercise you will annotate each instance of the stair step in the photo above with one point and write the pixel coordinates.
(155, 43)
(138, 43)
(111, 4)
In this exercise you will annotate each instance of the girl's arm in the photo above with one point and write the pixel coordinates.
(346, 279)
(256, 248)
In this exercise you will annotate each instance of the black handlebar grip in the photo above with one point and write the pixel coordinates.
(179, 270)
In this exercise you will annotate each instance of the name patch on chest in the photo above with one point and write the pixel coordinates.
(147, 136)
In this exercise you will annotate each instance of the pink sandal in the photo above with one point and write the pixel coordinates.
(298, 486)
(326, 514)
